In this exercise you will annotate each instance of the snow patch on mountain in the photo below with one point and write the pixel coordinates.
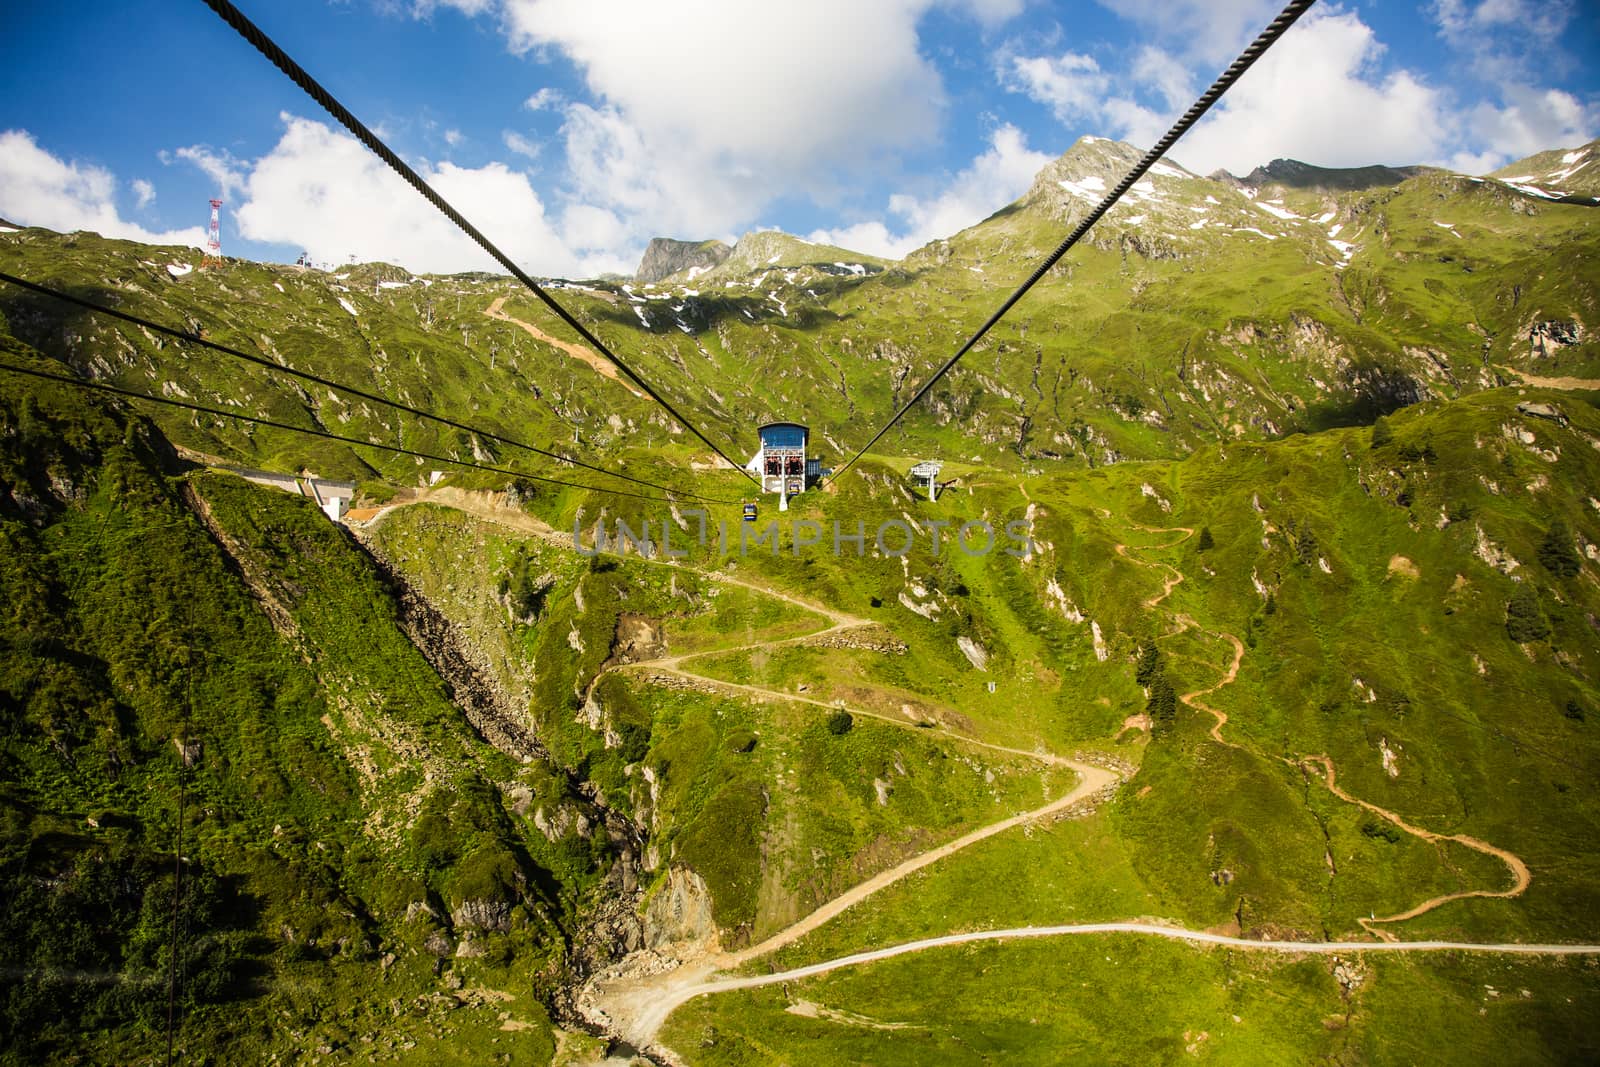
(1091, 188)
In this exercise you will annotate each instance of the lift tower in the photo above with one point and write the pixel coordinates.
(213, 257)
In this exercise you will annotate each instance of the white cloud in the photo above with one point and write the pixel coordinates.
(144, 192)
(453, 137)
(699, 114)
(520, 144)
(425, 8)
(1531, 121)
(1072, 85)
(1206, 31)
(751, 81)
(1506, 40)
(225, 171)
(1510, 45)
(1322, 94)
(703, 112)
(998, 176)
(988, 12)
(1167, 77)
(322, 191)
(1077, 91)
(1316, 96)
(546, 99)
(612, 164)
(38, 189)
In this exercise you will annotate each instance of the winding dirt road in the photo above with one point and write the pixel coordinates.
(578, 352)
(1519, 870)
(650, 1023)
(635, 1009)
(1521, 877)
(1540, 382)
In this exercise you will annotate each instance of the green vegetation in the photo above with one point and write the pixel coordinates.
(1525, 620)
(426, 779)
(1063, 999)
(1153, 340)
(142, 683)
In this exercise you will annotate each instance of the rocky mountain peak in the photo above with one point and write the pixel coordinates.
(665, 256)
(1092, 162)
(1072, 184)
(1309, 178)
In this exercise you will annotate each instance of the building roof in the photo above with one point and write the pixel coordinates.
(783, 435)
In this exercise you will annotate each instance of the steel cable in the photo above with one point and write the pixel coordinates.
(202, 409)
(1255, 51)
(296, 73)
(195, 338)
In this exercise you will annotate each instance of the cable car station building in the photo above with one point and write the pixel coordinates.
(781, 464)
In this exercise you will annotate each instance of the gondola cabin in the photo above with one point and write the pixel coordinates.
(749, 511)
(781, 463)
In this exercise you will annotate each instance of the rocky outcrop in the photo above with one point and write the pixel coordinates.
(680, 912)
(664, 257)
(976, 654)
(1303, 177)
(1551, 336)
(492, 711)
(880, 641)
(637, 638)
(483, 914)
(1548, 412)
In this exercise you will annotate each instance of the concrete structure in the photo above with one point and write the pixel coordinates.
(287, 483)
(332, 497)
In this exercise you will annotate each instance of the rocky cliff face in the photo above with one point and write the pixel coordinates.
(665, 256)
(1091, 166)
(1303, 177)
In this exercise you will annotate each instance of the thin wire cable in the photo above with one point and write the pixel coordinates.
(195, 338)
(1257, 48)
(296, 73)
(104, 388)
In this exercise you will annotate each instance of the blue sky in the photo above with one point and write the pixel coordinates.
(572, 131)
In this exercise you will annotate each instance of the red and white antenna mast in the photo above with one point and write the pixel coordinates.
(213, 257)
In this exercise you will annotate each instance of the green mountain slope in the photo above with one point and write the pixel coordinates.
(195, 656)
(445, 777)
(1558, 172)
(1196, 309)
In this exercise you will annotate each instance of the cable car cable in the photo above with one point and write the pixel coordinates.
(1256, 49)
(296, 73)
(195, 338)
(131, 394)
